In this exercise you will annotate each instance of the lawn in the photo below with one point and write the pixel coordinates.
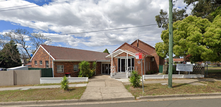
(41, 94)
(158, 89)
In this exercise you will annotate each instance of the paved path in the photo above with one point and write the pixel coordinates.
(39, 87)
(104, 88)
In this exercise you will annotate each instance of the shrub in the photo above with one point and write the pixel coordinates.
(64, 83)
(85, 70)
(135, 79)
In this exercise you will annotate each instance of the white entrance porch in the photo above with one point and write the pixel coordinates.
(124, 63)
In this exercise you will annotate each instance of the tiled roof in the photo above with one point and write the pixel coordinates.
(136, 48)
(178, 59)
(70, 54)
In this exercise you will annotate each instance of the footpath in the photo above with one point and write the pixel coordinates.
(105, 88)
(39, 87)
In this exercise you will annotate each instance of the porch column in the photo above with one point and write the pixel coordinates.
(127, 67)
(111, 65)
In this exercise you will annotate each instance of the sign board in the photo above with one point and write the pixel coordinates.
(184, 67)
(138, 55)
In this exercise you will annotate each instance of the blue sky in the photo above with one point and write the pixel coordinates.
(56, 19)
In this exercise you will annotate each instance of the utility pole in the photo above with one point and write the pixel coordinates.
(170, 44)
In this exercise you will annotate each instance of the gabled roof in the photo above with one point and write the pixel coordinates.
(143, 43)
(136, 48)
(70, 54)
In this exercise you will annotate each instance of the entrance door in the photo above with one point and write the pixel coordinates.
(105, 68)
(122, 65)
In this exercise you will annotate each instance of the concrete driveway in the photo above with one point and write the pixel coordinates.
(105, 88)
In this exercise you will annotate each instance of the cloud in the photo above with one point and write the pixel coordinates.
(76, 16)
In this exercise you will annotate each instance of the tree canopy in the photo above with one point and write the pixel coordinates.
(106, 51)
(194, 36)
(9, 55)
(201, 8)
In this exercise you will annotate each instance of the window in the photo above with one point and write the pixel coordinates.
(46, 64)
(40, 62)
(60, 68)
(75, 67)
(36, 63)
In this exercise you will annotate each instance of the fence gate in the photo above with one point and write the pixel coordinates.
(45, 72)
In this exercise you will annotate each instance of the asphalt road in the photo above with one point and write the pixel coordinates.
(171, 103)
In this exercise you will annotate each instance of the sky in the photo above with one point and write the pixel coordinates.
(65, 22)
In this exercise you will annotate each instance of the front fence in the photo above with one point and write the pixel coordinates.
(45, 72)
(196, 70)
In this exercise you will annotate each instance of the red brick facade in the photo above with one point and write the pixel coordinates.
(150, 62)
(41, 55)
(69, 68)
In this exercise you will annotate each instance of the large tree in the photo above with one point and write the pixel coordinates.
(9, 55)
(194, 36)
(28, 41)
(201, 8)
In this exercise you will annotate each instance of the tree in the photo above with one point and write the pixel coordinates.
(194, 36)
(9, 55)
(28, 42)
(162, 19)
(201, 8)
(106, 51)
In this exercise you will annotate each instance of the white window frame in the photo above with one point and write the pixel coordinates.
(77, 67)
(60, 68)
(46, 65)
(40, 62)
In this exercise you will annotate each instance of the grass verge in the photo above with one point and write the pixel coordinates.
(41, 94)
(158, 89)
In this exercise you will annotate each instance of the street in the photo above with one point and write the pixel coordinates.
(215, 102)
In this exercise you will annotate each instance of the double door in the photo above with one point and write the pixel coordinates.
(105, 68)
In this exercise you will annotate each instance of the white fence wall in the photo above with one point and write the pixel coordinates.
(49, 80)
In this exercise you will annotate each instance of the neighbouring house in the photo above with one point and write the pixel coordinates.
(65, 60)
(28, 64)
(123, 59)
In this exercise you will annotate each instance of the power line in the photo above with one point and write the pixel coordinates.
(113, 29)
(25, 6)
(103, 30)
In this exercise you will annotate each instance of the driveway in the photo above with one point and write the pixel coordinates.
(105, 88)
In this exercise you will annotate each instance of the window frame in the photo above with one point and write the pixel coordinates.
(60, 67)
(36, 63)
(74, 68)
(46, 64)
(40, 62)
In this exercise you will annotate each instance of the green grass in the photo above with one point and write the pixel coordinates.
(41, 94)
(158, 89)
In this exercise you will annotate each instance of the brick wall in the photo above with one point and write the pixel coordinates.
(43, 56)
(69, 68)
(144, 46)
(98, 68)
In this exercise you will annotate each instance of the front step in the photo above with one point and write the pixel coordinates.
(120, 75)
